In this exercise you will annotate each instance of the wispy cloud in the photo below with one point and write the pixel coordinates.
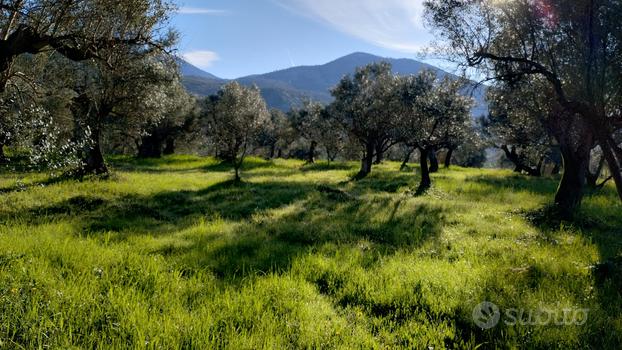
(393, 24)
(291, 60)
(200, 11)
(202, 58)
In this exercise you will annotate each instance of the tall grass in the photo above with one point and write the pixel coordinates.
(171, 254)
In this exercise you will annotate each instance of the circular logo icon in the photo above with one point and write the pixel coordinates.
(486, 315)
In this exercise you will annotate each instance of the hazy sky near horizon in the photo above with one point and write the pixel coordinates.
(234, 38)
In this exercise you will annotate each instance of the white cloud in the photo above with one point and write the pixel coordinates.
(199, 11)
(202, 59)
(393, 24)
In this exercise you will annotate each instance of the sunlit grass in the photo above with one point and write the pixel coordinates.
(171, 254)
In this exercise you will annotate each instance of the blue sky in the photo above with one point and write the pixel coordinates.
(233, 38)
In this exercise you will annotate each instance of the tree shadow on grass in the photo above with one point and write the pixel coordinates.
(20, 186)
(379, 227)
(175, 210)
(601, 225)
(324, 166)
(314, 215)
(391, 182)
(166, 212)
(494, 184)
(16, 164)
(156, 165)
(248, 165)
(174, 164)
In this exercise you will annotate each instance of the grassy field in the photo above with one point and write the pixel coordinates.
(170, 254)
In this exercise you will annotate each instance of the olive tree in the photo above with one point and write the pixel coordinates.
(516, 125)
(235, 118)
(12, 119)
(317, 124)
(36, 117)
(365, 107)
(332, 137)
(278, 134)
(307, 123)
(78, 29)
(106, 52)
(433, 114)
(177, 115)
(573, 47)
(133, 91)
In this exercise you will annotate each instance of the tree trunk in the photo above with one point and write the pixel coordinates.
(556, 169)
(379, 153)
(150, 147)
(237, 172)
(311, 155)
(448, 155)
(3, 158)
(571, 188)
(539, 168)
(366, 162)
(331, 155)
(613, 157)
(238, 159)
(407, 158)
(272, 150)
(279, 153)
(426, 182)
(169, 147)
(592, 178)
(433, 161)
(94, 162)
(519, 165)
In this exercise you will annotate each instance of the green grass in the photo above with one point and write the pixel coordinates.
(171, 254)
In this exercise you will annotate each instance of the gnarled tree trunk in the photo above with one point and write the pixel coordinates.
(330, 155)
(3, 158)
(571, 188)
(379, 153)
(272, 151)
(426, 182)
(366, 162)
(612, 154)
(448, 155)
(433, 161)
(556, 169)
(519, 164)
(169, 146)
(312, 151)
(576, 140)
(407, 157)
(94, 162)
(592, 177)
(539, 170)
(150, 147)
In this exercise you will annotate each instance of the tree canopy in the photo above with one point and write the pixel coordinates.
(235, 118)
(573, 47)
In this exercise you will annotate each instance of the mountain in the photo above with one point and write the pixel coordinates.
(189, 70)
(320, 79)
(289, 87)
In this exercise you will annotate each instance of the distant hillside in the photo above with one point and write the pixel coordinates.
(320, 79)
(287, 88)
(189, 70)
